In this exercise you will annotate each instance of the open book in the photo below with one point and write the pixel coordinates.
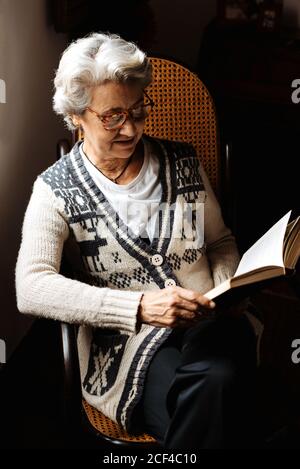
(275, 254)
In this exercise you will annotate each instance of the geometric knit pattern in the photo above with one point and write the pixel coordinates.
(190, 256)
(91, 217)
(110, 255)
(104, 360)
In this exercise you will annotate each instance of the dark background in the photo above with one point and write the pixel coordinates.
(249, 73)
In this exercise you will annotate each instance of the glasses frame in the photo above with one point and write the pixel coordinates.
(125, 113)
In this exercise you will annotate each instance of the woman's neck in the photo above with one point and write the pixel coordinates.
(119, 170)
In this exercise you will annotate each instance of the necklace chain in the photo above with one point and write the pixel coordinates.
(119, 175)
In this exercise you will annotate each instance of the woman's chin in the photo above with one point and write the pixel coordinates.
(125, 148)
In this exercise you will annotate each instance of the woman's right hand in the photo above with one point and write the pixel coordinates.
(173, 307)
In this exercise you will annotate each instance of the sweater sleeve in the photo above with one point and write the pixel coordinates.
(42, 291)
(221, 251)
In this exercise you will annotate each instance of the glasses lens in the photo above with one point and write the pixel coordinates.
(114, 121)
(141, 112)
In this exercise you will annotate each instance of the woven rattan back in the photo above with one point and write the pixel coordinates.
(184, 110)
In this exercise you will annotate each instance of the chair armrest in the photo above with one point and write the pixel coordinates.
(71, 372)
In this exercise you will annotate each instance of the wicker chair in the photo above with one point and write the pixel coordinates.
(184, 110)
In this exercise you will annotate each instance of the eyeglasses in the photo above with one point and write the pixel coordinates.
(116, 120)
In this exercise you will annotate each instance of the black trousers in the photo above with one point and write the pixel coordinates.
(199, 388)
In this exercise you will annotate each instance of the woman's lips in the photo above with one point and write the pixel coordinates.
(125, 142)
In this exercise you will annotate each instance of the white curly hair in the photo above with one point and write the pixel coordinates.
(89, 62)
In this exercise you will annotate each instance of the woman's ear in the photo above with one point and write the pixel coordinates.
(75, 120)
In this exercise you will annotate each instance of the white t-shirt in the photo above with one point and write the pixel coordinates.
(137, 202)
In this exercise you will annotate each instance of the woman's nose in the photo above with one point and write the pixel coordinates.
(128, 128)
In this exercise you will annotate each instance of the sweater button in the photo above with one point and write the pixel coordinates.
(157, 259)
(170, 282)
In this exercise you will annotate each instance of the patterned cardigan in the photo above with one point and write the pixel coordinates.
(109, 267)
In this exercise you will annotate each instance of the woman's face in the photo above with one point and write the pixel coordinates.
(110, 144)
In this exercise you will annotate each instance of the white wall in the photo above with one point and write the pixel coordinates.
(29, 53)
(179, 27)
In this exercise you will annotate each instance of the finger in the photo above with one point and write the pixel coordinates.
(186, 293)
(205, 302)
(183, 314)
(195, 297)
(192, 306)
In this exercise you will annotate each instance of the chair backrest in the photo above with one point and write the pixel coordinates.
(184, 110)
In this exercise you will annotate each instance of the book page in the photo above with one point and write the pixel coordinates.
(268, 250)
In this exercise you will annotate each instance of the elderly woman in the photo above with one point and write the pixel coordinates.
(143, 238)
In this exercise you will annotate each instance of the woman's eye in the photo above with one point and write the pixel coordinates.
(115, 116)
(112, 117)
(137, 111)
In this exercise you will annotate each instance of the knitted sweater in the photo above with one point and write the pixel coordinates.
(109, 268)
